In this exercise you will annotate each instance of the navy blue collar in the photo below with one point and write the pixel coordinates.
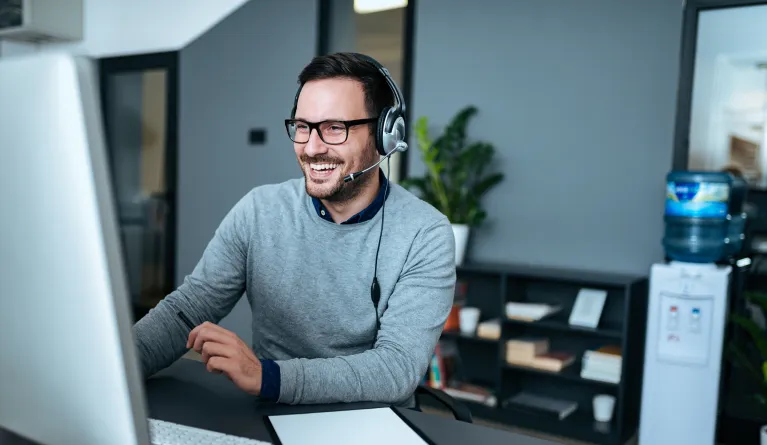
(367, 213)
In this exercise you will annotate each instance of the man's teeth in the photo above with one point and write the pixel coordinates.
(320, 167)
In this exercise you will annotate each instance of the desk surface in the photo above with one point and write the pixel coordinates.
(186, 393)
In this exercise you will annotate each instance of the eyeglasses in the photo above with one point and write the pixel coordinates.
(331, 132)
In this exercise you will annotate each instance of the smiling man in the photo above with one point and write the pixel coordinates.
(345, 308)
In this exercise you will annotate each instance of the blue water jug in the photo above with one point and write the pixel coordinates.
(697, 216)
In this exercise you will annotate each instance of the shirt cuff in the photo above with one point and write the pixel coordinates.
(270, 380)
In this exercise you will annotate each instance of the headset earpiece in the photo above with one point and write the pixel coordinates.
(393, 139)
(381, 136)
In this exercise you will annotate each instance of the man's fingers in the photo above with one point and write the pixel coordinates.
(219, 365)
(208, 326)
(193, 334)
(211, 335)
(212, 349)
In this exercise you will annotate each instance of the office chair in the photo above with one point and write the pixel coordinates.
(459, 410)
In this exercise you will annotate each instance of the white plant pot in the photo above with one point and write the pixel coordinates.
(461, 233)
(764, 435)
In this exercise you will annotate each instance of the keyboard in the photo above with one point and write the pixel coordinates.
(168, 433)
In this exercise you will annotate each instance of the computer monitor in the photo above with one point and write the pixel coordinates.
(68, 367)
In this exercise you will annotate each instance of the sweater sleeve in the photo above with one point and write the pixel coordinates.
(208, 294)
(410, 328)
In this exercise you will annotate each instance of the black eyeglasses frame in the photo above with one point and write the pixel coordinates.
(316, 126)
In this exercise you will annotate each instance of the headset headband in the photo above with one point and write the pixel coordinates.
(399, 100)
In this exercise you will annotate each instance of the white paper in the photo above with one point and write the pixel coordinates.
(588, 308)
(369, 426)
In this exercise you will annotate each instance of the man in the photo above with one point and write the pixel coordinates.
(304, 251)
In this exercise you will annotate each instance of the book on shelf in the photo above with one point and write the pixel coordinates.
(552, 361)
(489, 329)
(603, 364)
(530, 311)
(543, 405)
(533, 352)
(459, 299)
(527, 346)
(443, 365)
(472, 393)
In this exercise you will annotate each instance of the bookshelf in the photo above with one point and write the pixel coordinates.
(482, 361)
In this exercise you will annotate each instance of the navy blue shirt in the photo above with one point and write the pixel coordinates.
(270, 370)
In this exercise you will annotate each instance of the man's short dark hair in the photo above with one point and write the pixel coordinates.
(378, 95)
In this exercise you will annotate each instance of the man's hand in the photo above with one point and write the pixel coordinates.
(225, 353)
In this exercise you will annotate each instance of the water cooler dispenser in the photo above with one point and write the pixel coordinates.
(689, 299)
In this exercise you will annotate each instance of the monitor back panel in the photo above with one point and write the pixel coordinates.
(68, 370)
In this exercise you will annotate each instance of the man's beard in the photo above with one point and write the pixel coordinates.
(340, 191)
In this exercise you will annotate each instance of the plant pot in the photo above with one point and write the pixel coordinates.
(763, 435)
(461, 234)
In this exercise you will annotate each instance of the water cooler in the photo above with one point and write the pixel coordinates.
(689, 299)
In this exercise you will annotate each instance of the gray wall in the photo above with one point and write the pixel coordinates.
(579, 99)
(239, 75)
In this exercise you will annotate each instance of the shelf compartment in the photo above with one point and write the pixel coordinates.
(579, 425)
(458, 335)
(571, 372)
(560, 324)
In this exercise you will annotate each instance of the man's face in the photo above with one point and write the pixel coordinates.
(325, 165)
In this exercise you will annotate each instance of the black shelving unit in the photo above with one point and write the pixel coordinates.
(483, 361)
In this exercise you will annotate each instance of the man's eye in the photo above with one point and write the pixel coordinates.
(336, 128)
(302, 127)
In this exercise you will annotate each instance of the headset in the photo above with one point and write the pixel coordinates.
(390, 138)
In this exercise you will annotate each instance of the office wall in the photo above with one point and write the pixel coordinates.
(579, 100)
(123, 27)
(239, 75)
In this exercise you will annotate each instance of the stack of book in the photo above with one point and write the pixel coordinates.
(603, 364)
(490, 329)
(472, 393)
(529, 311)
(533, 352)
(542, 405)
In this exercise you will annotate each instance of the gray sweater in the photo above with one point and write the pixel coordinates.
(308, 284)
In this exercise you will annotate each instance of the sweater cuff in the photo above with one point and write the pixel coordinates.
(292, 381)
(270, 380)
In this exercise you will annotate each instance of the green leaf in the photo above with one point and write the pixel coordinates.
(741, 359)
(487, 183)
(756, 333)
(455, 178)
(758, 298)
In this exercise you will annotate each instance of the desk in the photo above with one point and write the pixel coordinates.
(186, 393)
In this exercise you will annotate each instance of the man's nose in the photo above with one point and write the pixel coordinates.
(315, 146)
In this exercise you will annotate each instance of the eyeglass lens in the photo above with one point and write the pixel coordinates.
(330, 132)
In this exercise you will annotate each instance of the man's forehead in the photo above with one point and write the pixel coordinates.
(326, 99)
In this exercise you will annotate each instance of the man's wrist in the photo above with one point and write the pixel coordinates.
(270, 380)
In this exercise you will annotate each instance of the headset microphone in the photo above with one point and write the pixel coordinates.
(401, 146)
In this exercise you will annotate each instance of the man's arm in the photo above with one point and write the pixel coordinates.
(207, 294)
(409, 331)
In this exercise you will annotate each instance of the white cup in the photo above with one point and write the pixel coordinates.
(468, 319)
(603, 407)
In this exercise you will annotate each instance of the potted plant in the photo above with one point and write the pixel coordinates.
(752, 355)
(456, 175)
